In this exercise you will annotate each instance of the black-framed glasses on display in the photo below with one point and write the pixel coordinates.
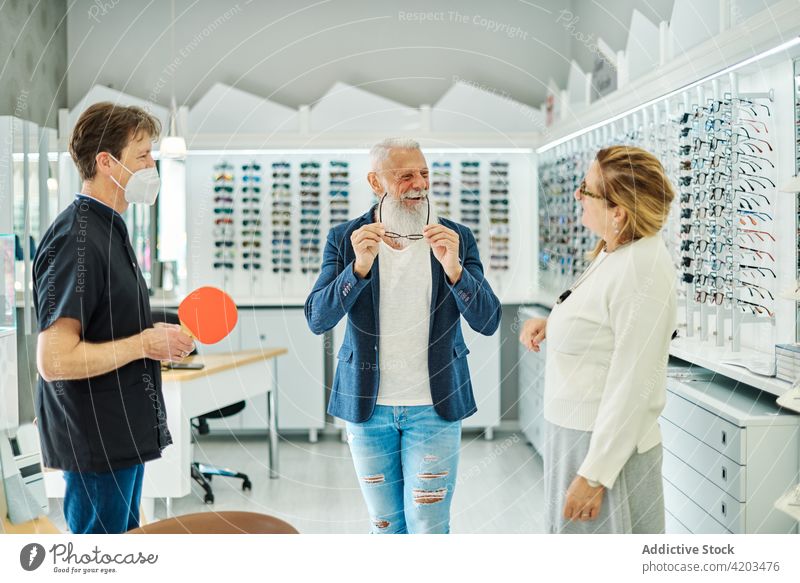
(703, 296)
(752, 216)
(760, 269)
(753, 234)
(757, 309)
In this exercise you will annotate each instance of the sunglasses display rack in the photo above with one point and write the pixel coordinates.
(441, 175)
(224, 230)
(310, 199)
(718, 150)
(251, 230)
(498, 216)
(281, 217)
(270, 214)
(725, 175)
(339, 192)
(470, 199)
(563, 240)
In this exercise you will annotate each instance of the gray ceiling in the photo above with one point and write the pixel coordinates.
(294, 51)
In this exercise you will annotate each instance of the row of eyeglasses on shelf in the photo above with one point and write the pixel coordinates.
(724, 171)
(248, 206)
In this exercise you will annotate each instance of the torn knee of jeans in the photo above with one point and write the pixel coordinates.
(374, 479)
(381, 523)
(430, 458)
(429, 496)
(432, 475)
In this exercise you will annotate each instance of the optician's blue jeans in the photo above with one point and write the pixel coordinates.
(406, 460)
(103, 502)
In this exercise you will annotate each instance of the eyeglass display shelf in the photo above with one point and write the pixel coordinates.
(704, 354)
(784, 505)
(711, 357)
(288, 301)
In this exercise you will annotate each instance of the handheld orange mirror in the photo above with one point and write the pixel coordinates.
(208, 314)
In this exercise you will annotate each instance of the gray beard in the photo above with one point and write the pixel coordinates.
(404, 221)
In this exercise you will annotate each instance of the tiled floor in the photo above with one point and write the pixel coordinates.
(499, 488)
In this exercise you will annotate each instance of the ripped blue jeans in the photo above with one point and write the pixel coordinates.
(406, 460)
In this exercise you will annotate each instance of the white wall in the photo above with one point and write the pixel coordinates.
(610, 21)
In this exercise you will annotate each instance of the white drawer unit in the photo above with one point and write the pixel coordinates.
(531, 386)
(484, 370)
(301, 380)
(729, 453)
(674, 526)
(720, 470)
(692, 518)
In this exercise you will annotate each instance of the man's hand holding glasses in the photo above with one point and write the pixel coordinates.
(366, 241)
(444, 243)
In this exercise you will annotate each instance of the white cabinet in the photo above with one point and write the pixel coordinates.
(531, 386)
(729, 453)
(301, 378)
(484, 370)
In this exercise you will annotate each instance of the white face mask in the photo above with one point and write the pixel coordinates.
(143, 185)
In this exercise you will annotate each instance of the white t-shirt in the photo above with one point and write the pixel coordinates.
(405, 306)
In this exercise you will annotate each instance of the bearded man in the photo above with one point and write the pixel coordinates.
(402, 383)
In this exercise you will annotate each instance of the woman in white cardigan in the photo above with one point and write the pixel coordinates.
(608, 345)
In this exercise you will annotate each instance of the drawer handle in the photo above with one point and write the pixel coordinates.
(724, 438)
(724, 473)
(724, 509)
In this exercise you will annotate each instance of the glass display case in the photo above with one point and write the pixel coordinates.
(9, 405)
(7, 315)
(796, 86)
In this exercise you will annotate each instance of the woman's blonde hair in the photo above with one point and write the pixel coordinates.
(634, 179)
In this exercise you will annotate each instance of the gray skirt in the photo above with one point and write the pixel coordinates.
(634, 505)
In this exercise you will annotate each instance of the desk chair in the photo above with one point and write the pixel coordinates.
(218, 523)
(203, 473)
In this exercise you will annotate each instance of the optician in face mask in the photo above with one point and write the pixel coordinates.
(142, 186)
(131, 178)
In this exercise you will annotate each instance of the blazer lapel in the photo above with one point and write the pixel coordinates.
(436, 276)
(376, 295)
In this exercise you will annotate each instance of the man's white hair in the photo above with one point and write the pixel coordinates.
(380, 151)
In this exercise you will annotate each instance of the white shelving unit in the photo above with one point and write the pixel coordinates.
(531, 386)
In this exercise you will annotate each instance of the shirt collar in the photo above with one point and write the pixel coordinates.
(98, 201)
(104, 209)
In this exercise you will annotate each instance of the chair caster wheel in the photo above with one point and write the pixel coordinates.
(208, 499)
(246, 485)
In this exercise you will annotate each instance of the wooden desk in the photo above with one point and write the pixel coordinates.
(226, 379)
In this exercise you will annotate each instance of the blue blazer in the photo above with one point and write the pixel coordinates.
(339, 292)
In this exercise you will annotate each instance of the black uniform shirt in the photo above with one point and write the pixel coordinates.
(85, 268)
